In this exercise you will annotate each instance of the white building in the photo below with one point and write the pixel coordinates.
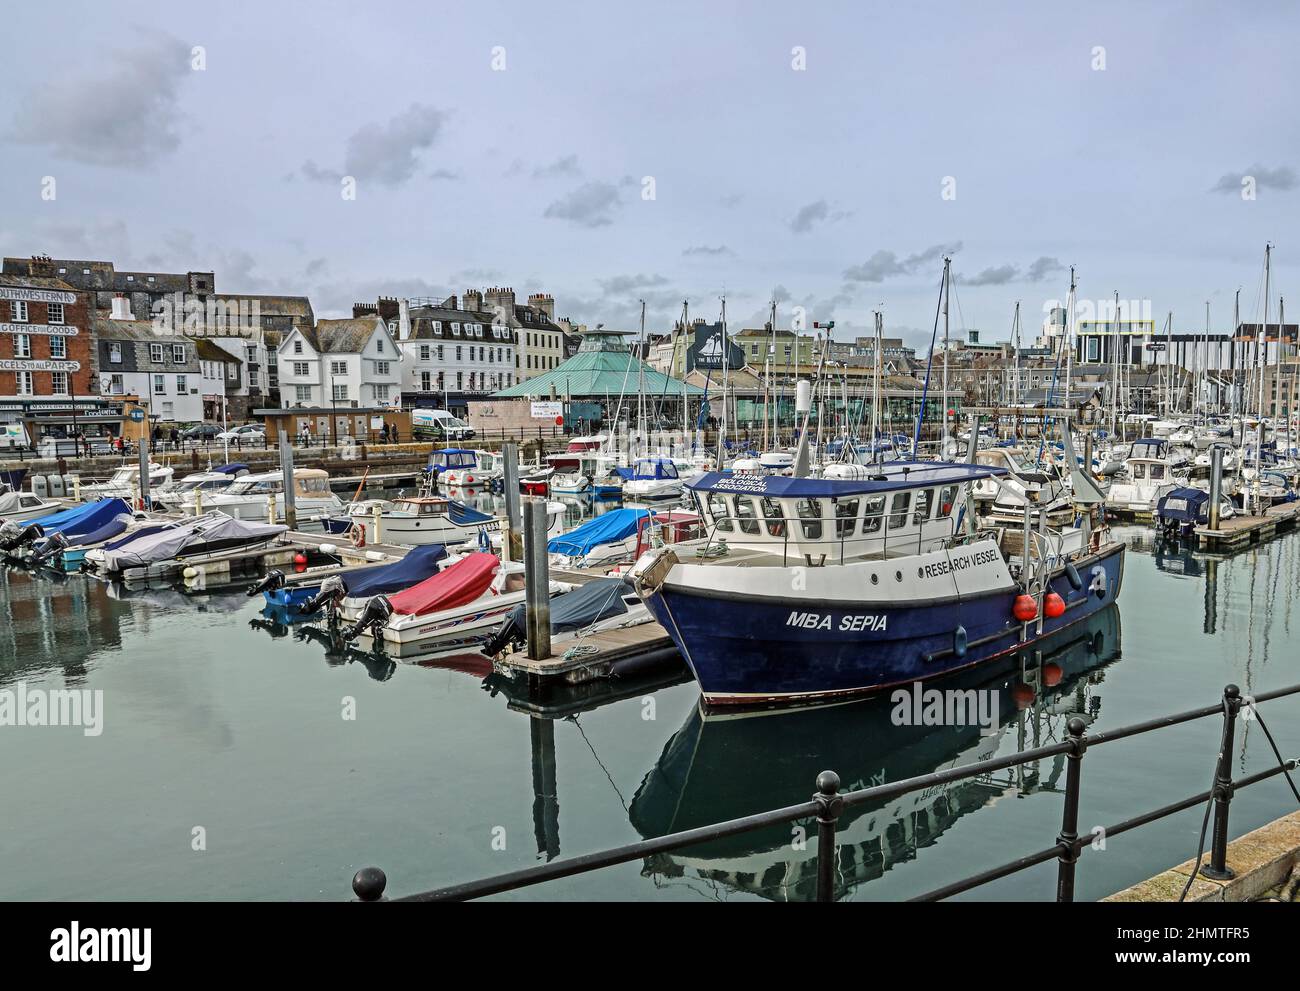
(354, 361)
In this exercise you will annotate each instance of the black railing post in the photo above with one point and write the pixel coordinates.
(830, 802)
(1218, 867)
(1070, 814)
(368, 884)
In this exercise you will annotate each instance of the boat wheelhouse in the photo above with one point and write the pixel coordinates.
(652, 478)
(834, 587)
(251, 497)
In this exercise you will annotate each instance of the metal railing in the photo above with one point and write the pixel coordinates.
(828, 804)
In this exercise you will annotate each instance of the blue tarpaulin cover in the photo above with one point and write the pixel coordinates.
(1187, 505)
(81, 520)
(604, 529)
(106, 532)
(419, 564)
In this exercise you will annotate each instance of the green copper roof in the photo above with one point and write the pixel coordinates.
(604, 366)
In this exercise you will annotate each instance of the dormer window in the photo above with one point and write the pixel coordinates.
(150, 278)
(130, 278)
(437, 326)
(379, 345)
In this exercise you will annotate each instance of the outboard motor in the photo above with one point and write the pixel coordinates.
(54, 545)
(273, 581)
(507, 635)
(9, 531)
(25, 535)
(373, 617)
(333, 590)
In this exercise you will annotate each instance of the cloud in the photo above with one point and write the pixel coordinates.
(731, 200)
(447, 174)
(566, 166)
(998, 276)
(813, 214)
(704, 249)
(387, 153)
(884, 264)
(621, 285)
(1281, 178)
(127, 115)
(590, 205)
(1042, 268)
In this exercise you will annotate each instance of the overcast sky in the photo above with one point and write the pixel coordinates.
(795, 150)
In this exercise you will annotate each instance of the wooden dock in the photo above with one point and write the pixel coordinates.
(593, 657)
(1241, 531)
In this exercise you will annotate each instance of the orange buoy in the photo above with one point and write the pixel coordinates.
(1025, 608)
(1053, 606)
(300, 558)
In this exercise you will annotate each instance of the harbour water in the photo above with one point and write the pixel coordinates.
(239, 761)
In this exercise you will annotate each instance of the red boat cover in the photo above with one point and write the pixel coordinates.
(457, 585)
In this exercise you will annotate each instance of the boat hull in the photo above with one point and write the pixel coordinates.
(745, 650)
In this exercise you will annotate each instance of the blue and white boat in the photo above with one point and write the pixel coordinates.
(602, 540)
(653, 478)
(20, 539)
(835, 587)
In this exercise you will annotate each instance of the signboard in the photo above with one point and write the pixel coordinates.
(1156, 346)
(706, 350)
(38, 365)
(13, 434)
(547, 411)
(37, 295)
(54, 330)
(137, 415)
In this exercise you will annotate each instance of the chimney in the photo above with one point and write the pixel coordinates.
(503, 298)
(473, 299)
(403, 320)
(449, 302)
(545, 302)
(42, 267)
(121, 308)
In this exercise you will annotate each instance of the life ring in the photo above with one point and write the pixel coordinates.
(358, 535)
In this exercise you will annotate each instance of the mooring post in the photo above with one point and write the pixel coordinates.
(830, 804)
(144, 467)
(1218, 867)
(973, 444)
(537, 580)
(368, 884)
(1216, 482)
(286, 467)
(510, 479)
(1070, 814)
(1087, 453)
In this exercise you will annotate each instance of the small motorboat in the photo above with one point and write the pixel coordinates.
(25, 506)
(1181, 510)
(210, 533)
(606, 539)
(249, 497)
(603, 604)
(17, 539)
(471, 470)
(199, 485)
(459, 606)
(125, 483)
(346, 592)
(653, 478)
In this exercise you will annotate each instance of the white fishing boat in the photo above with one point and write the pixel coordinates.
(251, 496)
(209, 483)
(468, 469)
(1153, 467)
(418, 520)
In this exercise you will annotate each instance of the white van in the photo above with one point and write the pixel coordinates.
(439, 424)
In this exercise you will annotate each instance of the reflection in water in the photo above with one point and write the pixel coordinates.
(719, 767)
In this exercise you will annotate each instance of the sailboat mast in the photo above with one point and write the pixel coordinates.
(947, 289)
(1263, 340)
(726, 366)
(1114, 365)
(1068, 337)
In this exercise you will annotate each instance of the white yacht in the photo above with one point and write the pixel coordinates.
(250, 497)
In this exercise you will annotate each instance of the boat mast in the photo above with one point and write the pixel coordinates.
(876, 392)
(1170, 404)
(1263, 342)
(947, 288)
(1114, 365)
(1068, 336)
(640, 379)
(726, 365)
(1232, 343)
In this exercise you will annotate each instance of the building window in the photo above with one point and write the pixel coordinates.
(424, 352)
(159, 386)
(115, 385)
(232, 372)
(340, 392)
(24, 383)
(22, 346)
(460, 381)
(58, 346)
(381, 368)
(55, 313)
(252, 377)
(338, 367)
(156, 353)
(440, 352)
(115, 352)
(297, 347)
(379, 346)
(425, 382)
(178, 354)
(304, 393)
(381, 393)
(251, 354)
(458, 350)
(18, 311)
(300, 368)
(181, 387)
(437, 326)
(455, 328)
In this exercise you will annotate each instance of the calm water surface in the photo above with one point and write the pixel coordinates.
(218, 719)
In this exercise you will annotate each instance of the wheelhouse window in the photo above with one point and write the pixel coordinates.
(947, 499)
(810, 518)
(1157, 472)
(1139, 471)
(775, 518)
(720, 512)
(898, 510)
(846, 518)
(924, 502)
(875, 511)
(747, 515)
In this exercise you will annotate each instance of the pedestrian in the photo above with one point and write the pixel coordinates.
(394, 433)
(383, 434)
(175, 439)
(157, 435)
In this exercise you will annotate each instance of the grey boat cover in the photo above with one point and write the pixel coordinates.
(208, 533)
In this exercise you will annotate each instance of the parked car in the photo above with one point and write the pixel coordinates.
(201, 432)
(249, 433)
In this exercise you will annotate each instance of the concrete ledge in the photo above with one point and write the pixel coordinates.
(1262, 860)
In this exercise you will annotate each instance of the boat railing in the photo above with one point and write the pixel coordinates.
(828, 805)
